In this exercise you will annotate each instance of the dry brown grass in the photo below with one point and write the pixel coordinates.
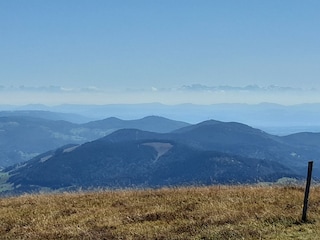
(218, 212)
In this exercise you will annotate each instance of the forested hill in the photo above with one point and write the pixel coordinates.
(206, 153)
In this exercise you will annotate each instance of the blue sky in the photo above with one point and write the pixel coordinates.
(120, 51)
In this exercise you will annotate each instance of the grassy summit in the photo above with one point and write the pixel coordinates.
(219, 212)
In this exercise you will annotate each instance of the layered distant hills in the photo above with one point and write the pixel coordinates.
(272, 118)
(26, 134)
(154, 152)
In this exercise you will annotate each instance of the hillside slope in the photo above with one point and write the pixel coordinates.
(138, 163)
(232, 138)
(219, 212)
(206, 153)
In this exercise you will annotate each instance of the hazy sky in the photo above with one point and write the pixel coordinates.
(103, 51)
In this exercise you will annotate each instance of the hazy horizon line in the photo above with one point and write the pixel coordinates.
(183, 88)
(194, 94)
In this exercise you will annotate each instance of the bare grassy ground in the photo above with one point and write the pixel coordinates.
(242, 212)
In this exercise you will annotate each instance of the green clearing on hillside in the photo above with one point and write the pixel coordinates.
(219, 212)
(4, 186)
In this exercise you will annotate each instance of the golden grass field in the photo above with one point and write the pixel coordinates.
(217, 212)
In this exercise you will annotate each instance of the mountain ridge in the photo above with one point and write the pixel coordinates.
(138, 164)
(24, 137)
(137, 158)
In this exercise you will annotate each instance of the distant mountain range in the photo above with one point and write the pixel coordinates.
(272, 118)
(236, 139)
(23, 135)
(55, 116)
(210, 152)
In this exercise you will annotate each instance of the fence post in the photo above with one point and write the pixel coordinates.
(306, 193)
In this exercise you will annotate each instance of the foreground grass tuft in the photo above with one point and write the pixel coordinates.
(219, 212)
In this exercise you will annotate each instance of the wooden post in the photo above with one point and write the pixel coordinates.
(306, 194)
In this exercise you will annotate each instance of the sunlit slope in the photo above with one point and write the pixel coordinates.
(180, 213)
